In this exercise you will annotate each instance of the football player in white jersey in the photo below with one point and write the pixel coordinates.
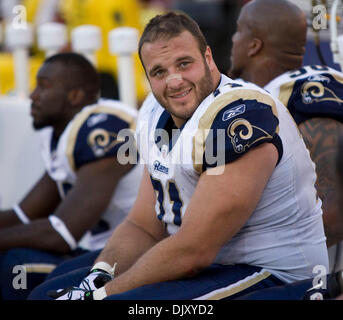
(270, 55)
(85, 191)
(268, 50)
(227, 202)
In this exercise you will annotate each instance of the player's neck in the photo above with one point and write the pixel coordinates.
(58, 129)
(263, 72)
(216, 76)
(60, 126)
(62, 123)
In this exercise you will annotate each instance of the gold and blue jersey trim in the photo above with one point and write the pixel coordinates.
(83, 116)
(212, 111)
(235, 288)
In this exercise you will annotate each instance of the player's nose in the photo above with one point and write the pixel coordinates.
(34, 94)
(174, 80)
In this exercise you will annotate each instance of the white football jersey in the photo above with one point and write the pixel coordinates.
(92, 135)
(284, 234)
(310, 92)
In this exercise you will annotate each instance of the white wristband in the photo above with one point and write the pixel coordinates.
(63, 231)
(99, 294)
(21, 214)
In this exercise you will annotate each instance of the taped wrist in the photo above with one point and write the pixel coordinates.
(103, 266)
(99, 294)
(99, 275)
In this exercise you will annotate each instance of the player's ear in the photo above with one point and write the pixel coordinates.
(255, 46)
(76, 96)
(209, 57)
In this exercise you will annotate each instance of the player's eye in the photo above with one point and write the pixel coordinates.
(42, 83)
(184, 64)
(158, 73)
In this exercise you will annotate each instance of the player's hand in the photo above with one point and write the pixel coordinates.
(95, 279)
(71, 293)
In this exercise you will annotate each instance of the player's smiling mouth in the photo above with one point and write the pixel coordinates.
(180, 95)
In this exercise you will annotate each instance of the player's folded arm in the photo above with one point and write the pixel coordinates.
(86, 202)
(140, 226)
(93, 155)
(244, 139)
(42, 199)
(79, 211)
(221, 204)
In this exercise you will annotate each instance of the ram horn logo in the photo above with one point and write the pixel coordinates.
(316, 92)
(101, 141)
(243, 134)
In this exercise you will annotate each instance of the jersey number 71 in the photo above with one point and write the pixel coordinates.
(174, 198)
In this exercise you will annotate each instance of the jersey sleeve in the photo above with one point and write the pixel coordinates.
(97, 135)
(317, 95)
(234, 125)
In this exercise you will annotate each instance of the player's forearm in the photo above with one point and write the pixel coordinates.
(333, 233)
(37, 235)
(8, 218)
(127, 243)
(167, 260)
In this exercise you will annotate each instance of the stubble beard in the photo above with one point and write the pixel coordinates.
(202, 90)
